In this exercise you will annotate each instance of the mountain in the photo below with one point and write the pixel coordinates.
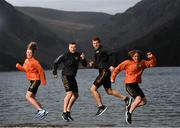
(138, 21)
(66, 24)
(149, 25)
(17, 30)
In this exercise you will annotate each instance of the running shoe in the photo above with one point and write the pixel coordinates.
(128, 117)
(101, 110)
(69, 116)
(41, 114)
(65, 116)
(128, 102)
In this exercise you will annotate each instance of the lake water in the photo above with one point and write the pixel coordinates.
(160, 85)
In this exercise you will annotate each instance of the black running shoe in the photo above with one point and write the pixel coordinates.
(101, 110)
(69, 116)
(128, 102)
(65, 117)
(128, 118)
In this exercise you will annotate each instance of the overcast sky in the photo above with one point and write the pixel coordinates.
(107, 6)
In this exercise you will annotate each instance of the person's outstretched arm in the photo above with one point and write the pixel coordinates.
(57, 61)
(118, 69)
(83, 60)
(152, 62)
(19, 67)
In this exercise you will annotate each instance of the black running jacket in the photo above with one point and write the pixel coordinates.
(70, 63)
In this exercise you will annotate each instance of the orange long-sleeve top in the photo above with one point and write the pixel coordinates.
(33, 70)
(133, 69)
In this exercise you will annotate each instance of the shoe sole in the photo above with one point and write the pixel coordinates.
(71, 119)
(64, 119)
(129, 104)
(39, 115)
(102, 111)
(128, 122)
(127, 109)
(127, 118)
(42, 117)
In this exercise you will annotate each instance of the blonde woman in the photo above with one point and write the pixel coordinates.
(35, 74)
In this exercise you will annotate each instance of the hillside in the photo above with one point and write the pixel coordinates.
(18, 29)
(67, 25)
(149, 25)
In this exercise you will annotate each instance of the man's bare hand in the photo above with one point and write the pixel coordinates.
(55, 76)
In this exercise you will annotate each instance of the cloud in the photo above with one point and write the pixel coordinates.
(108, 6)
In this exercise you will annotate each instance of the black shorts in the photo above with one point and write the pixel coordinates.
(104, 78)
(70, 83)
(34, 86)
(134, 90)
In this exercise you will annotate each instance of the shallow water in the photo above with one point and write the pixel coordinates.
(160, 85)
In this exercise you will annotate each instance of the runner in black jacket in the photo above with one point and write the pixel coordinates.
(70, 61)
(105, 64)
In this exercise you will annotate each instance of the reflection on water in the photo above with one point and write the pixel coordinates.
(161, 86)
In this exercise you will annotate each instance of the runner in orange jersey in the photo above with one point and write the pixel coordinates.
(134, 69)
(35, 74)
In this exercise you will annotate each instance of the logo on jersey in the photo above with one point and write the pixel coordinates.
(139, 65)
(97, 51)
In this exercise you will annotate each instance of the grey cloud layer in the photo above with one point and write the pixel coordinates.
(107, 6)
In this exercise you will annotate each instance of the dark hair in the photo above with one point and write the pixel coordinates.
(32, 46)
(132, 52)
(96, 39)
(72, 43)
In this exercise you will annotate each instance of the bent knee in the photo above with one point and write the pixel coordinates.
(76, 95)
(93, 88)
(28, 96)
(109, 92)
(69, 93)
(144, 102)
(138, 99)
